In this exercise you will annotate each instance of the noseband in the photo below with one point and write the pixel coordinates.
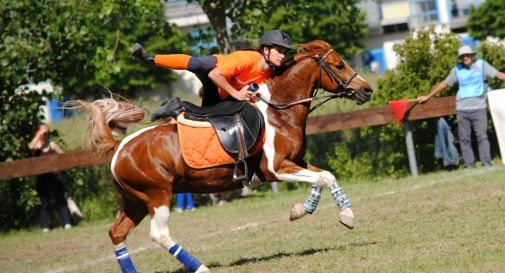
(342, 91)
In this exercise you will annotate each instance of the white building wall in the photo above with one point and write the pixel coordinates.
(452, 14)
(187, 17)
(444, 11)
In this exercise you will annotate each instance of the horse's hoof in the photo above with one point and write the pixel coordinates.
(297, 212)
(347, 218)
(202, 269)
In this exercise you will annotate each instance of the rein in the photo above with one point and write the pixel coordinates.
(284, 106)
(331, 74)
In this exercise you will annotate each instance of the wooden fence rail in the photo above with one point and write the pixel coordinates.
(319, 124)
(379, 116)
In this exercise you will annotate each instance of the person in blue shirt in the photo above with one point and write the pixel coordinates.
(470, 74)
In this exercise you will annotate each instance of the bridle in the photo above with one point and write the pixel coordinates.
(331, 73)
(342, 91)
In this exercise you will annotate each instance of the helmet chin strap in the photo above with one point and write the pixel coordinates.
(267, 59)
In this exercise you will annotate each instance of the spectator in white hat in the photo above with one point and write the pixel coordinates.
(470, 74)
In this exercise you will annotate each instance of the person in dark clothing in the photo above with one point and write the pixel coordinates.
(49, 186)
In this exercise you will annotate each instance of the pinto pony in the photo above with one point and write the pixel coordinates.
(148, 166)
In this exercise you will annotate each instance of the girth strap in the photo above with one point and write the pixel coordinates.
(242, 152)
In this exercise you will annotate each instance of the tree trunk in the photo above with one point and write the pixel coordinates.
(216, 13)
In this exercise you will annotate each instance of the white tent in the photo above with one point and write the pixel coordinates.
(496, 99)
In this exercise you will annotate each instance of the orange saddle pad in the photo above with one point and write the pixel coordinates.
(200, 145)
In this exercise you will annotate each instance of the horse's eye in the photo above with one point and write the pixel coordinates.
(339, 65)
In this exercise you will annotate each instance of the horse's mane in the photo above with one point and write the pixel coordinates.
(311, 49)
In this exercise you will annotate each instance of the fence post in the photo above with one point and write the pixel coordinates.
(275, 187)
(410, 149)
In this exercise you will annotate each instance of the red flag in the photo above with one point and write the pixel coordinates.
(399, 107)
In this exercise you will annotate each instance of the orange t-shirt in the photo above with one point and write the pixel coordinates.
(241, 68)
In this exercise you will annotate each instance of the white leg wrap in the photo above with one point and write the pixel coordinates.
(313, 200)
(339, 196)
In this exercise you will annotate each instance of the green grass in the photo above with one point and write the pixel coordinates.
(442, 222)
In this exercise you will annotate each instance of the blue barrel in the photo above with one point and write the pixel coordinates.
(54, 110)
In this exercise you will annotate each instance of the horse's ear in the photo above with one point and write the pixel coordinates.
(302, 49)
(301, 52)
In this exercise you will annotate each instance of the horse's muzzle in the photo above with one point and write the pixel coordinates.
(363, 95)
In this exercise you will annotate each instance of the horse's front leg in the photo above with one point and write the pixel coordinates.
(319, 178)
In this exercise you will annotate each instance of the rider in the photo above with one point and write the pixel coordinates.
(223, 76)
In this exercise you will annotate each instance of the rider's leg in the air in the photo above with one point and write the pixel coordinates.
(200, 66)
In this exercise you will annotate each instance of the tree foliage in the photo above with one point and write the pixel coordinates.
(340, 23)
(487, 20)
(79, 46)
(216, 12)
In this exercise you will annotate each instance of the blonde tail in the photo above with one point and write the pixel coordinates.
(106, 118)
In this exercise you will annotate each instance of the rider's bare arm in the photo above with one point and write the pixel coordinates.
(217, 77)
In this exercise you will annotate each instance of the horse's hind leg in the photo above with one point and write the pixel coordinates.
(160, 213)
(127, 218)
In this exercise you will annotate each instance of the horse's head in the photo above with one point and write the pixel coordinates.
(335, 75)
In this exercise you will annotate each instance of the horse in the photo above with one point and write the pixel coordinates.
(148, 167)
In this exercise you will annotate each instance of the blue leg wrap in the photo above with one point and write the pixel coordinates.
(339, 196)
(123, 258)
(313, 199)
(185, 257)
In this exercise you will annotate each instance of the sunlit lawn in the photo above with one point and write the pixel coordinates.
(442, 222)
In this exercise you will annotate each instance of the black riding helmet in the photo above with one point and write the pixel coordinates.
(276, 37)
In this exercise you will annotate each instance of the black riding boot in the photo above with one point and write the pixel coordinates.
(140, 55)
(170, 109)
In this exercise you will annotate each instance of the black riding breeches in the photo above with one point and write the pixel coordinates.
(201, 66)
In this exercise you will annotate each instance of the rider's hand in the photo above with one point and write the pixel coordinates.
(423, 99)
(244, 94)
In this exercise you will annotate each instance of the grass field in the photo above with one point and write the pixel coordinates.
(442, 222)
